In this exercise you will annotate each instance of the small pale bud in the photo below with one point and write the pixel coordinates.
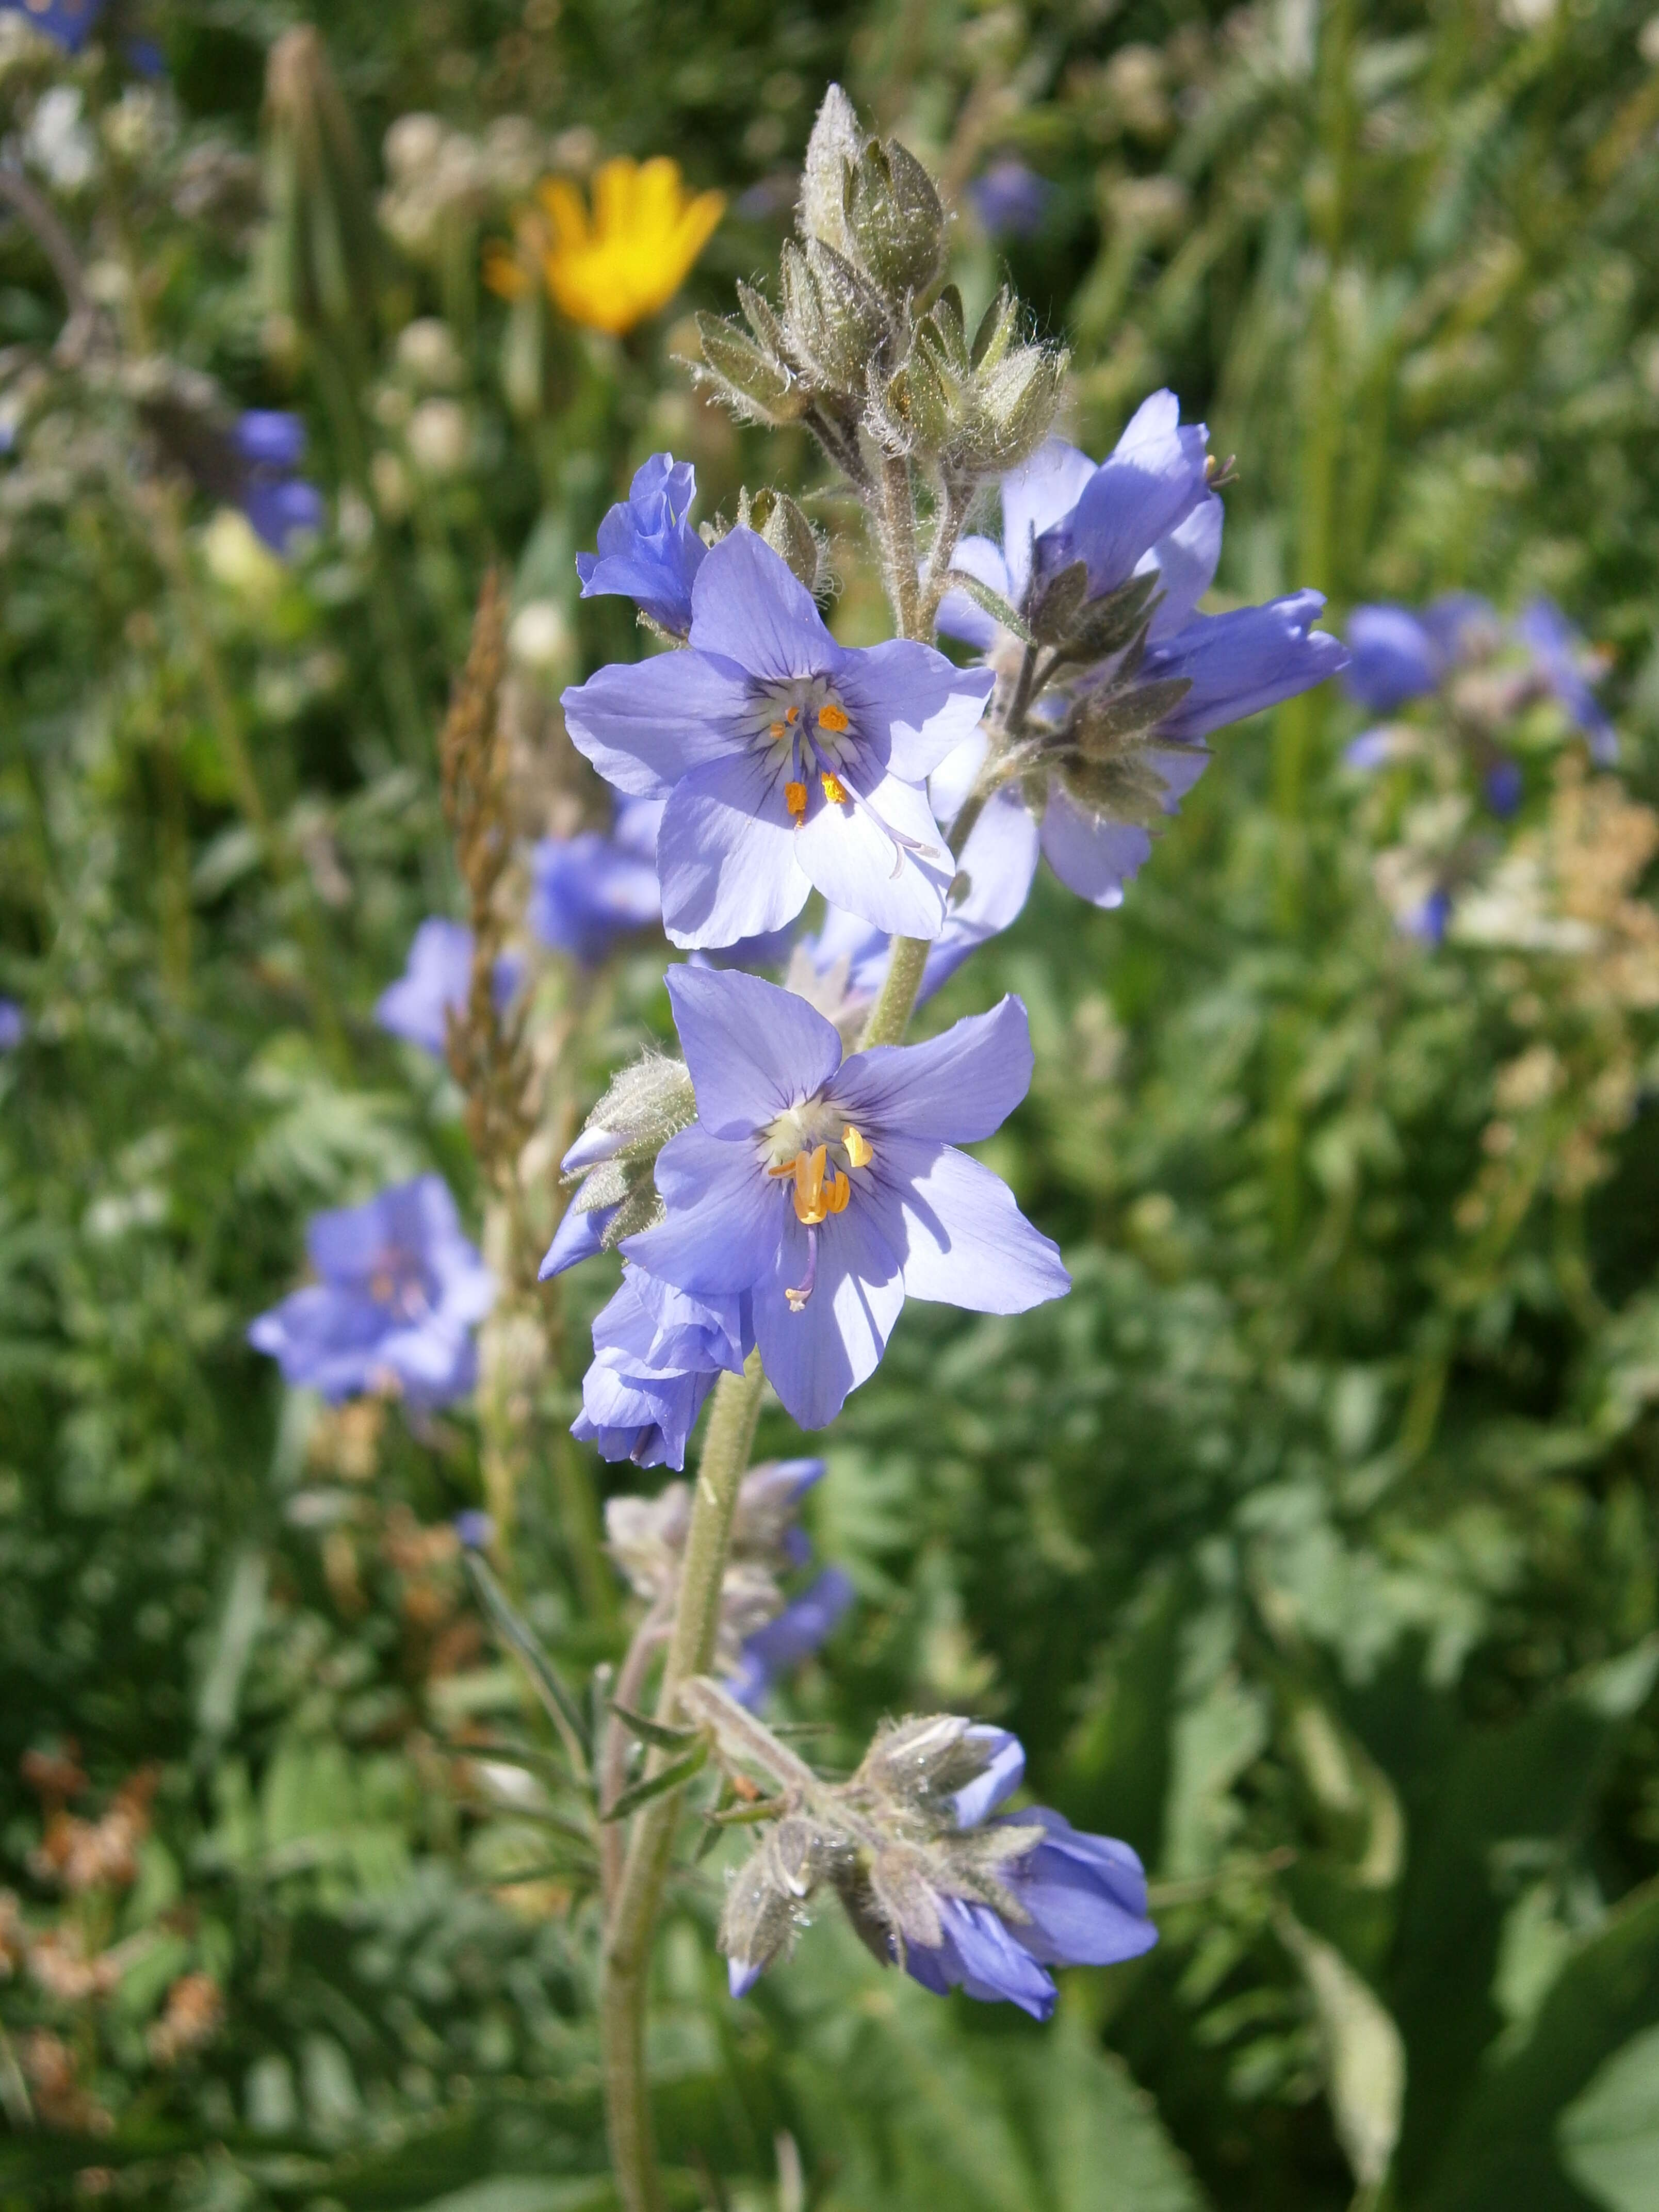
(753, 382)
(834, 321)
(835, 141)
(894, 220)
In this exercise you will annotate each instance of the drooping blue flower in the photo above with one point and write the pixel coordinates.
(830, 1188)
(67, 23)
(1011, 199)
(1558, 654)
(579, 1237)
(805, 1623)
(1147, 508)
(11, 1026)
(649, 550)
(278, 503)
(788, 760)
(656, 1354)
(401, 1287)
(589, 890)
(436, 982)
(1082, 1898)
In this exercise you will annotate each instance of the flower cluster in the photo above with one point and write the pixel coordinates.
(399, 1290)
(279, 503)
(929, 1880)
(814, 1191)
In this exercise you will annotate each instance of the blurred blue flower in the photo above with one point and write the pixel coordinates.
(1429, 919)
(1010, 199)
(1393, 657)
(1559, 654)
(649, 550)
(787, 762)
(11, 1026)
(806, 1622)
(589, 890)
(401, 1287)
(830, 1188)
(277, 502)
(1504, 786)
(476, 1528)
(656, 1354)
(67, 23)
(436, 982)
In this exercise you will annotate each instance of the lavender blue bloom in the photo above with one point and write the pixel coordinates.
(1557, 651)
(1147, 507)
(806, 1622)
(67, 23)
(11, 1026)
(578, 1237)
(400, 1289)
(271, 445)
(1000, 1776)
(830, 1188)
(656, 1354)
(649, 550)
(589, 890)
(436, 980)
(1428, 922)
(1504, 786)
(1010, 199)
(1393, 656)
(787, 761)
(476, 1528)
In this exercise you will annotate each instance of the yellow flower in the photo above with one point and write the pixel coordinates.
(612, 268)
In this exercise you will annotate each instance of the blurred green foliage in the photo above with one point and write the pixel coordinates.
(1310, 1544)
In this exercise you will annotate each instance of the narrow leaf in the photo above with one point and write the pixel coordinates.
(561, 1707)
(656, 1785)
(650, 1731)
(992, 603)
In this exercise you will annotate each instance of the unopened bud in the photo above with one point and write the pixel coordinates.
(748, 378)
(775, 516)
(894, 220)
(835, 144)
(649, 1102)
(834, 320)
(763, 1905)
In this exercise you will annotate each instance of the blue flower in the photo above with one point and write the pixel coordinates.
(1010, 199)
(1429, 919)
(1393, 657)
(579, 1237)
(591, 890)
(67, 23)
(436, 982)
(1504, 786)
(1147, 509)
(400, 1289)
(649, 550)
(475, 1529)
(788, 760)
(271, 445)
(1558, 653)
(11, 1026)
(656, 1354)
(1081, 1900)
(828, 1189)
(806, 1622)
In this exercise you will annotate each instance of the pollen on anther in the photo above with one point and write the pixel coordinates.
(833, 789)
(833, 718)
(794, 798)
(792, 715)
(775, 729)
(860, 1150)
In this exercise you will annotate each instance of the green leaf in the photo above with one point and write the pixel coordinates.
(562, 1708)
(1608, 2137)
(654, 1786)
(993, 603)
(650, 1731)
(1364, 2058)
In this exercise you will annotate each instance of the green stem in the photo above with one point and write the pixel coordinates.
(645, 1870)
(898, 536)
(891, 1015)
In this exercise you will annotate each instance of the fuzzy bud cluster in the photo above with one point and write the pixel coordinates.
(858, 343)
(646, 1537)
(612, 1162)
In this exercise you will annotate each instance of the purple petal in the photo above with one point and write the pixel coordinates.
(955, 1089)
(979, 1955)
(1003, 1772)
(805, 1623)
(1393, 658)
(1186, 561)
(1148, 485)
(753, 1050)
(910, 704)
(966, 1244)
(647, 723)
(271, 437)
(437, 976)
(1037, 495)
(849, 857)
(1239, 663)
(576, 1238)
(726, 854)
(1086, 1896)
(815, 1357)
(1091, 856)
(741, 1976)
(721, 1232)
(749, 607)
(959, 616)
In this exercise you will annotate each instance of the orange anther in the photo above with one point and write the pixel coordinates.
(794, 798)
(774, 729)
(837, 1193)
(860, 1150)
(792, 715)
(833, 717)
(810, 1206)
(833, 789)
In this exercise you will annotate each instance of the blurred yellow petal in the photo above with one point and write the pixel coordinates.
(504, 273)
(610, 269)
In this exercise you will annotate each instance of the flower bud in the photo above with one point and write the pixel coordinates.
(893, 219)
(763, 1913)
(835, 144)
(750, 378)
(322, 253)
(834, 321)
(1015, 404)
(775, 516)
(615, 1158)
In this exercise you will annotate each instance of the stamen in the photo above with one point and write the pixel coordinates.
(833, 789)
(833, 718)
(837, 1193)
(775, 729)
(792, 715)
(798, 1298)
(794, 798)
(860, 1150)
(810, 1205)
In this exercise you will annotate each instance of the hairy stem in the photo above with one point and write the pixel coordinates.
(898, 542)
(627, 1690)
(645, 1870)
(891, 1015)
